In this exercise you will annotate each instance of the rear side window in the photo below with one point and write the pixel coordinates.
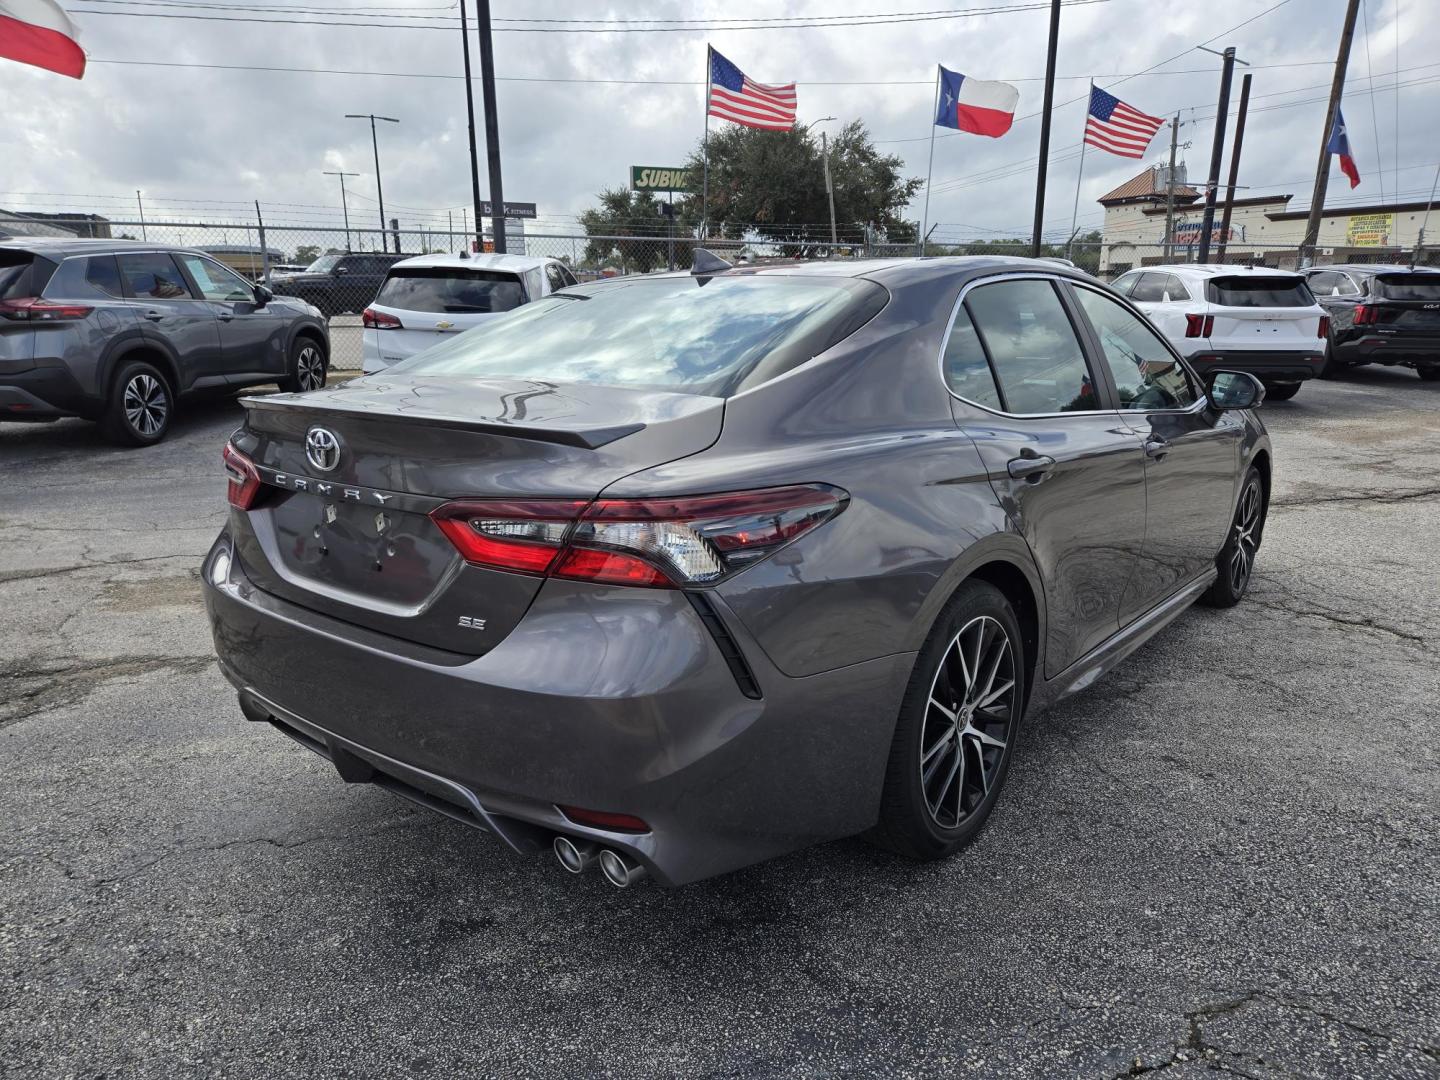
(447, 291)
(1332, 283)
(967, 372)
(94, 277)
(1258, 292)
(152, 275)
(16, 277)
(1150, 289)
(685, 334)
(1175, 290)
(1035, 354)
(554, 276)
(1408, 287)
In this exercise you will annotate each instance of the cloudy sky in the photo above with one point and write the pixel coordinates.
(206, 140)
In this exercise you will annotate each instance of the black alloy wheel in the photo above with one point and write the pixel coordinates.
(1236, 561)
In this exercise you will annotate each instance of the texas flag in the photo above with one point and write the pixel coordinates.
(976, 106)
(1340, 144)
(39, 32)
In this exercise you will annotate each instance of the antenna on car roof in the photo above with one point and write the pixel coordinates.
(706, 262)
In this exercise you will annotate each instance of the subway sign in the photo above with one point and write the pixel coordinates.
(660, 178)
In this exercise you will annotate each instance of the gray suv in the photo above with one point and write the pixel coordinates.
(118, 331)
(681, 572)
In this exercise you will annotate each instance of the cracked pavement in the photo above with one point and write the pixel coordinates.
(1219, 860)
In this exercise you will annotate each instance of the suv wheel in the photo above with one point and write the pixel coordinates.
(1281, 391)
(1429, 374)
(1236, 560)
(308, 368)
(956, 728)
(140, 408)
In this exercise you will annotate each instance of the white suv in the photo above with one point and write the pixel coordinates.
(427, 298)
(1238, 318)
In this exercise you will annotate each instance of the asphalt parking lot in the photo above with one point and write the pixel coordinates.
(1221, 858)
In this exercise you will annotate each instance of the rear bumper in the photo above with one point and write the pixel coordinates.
(1265, 366)
(603, 698)
(1406, 350)
(42, 393)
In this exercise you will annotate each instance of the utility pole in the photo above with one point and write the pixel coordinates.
(1322, 169)
(375, 145)
(344, 206)
(143, 234)
(470, 112)
(1234, 167)
(1045, 128)
(829, 187)
(492, 126)
(1217, 151)
(1170, 189)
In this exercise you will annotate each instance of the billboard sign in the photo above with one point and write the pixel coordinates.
(661, 178)
(512, 209)
(1369, 230)
(1189, 232)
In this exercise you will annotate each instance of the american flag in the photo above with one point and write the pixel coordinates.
(1114, 126)
(735, 97)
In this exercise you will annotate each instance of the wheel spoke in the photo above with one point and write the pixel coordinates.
(949, 779)
(959, 650)
(983, 738)
(949, 714)
(934, 766)
(992, 669)
(939, 744)
(995, 695)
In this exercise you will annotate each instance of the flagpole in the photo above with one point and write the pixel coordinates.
(1080, 173)
(705, 189)
(930, 169)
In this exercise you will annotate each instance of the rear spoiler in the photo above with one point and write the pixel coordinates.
(587, 438)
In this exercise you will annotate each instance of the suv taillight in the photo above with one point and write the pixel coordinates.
(1366, 314)
(1199, 325)
(1324, 331)
(34, 309)
(380, 320)
(654, 543)
(244, 487)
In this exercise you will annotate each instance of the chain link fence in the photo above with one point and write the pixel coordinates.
(339, 270)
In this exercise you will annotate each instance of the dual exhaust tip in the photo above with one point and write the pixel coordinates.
(576, 856)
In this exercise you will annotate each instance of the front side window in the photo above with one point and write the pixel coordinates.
(691, 335)
(967, 371)
(1146, 373)
(1125, 282)
(215, 282)
(450, 291)
(324, 264)
(152, 275)
(1036, 356)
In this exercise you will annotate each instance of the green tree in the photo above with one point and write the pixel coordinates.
(630, 228)
(772, 184)
(306, 253)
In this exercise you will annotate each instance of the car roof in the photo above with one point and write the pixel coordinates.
(1209, 270)
(893, 272)
(485, 261)
(1375, 268)
(62, 246)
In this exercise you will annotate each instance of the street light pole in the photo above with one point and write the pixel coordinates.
(470, 112)
(492, 126)
(344, 206)
(375, 145)
(825, 156)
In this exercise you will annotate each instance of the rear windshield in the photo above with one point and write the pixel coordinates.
(451, 291)
(687, 334)
(1259, 292)
(15, 275)
(1408, 286)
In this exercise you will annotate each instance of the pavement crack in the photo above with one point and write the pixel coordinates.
(27, 688)
(7, 576)
(1358, 497)
(1356, 622)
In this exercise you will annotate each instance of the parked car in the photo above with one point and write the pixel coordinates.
(119, 331)
(681, 572)
(1240, 318)
(1381, 314)
(425, 299)
(337, 283)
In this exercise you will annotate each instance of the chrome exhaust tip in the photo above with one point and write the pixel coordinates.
(620, 870)
(575, 855)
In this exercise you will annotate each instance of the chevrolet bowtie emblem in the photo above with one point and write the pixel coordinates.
(443, 325)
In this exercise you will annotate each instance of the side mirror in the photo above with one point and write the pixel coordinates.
(342, 269)
(1234, 390)
(263, 295)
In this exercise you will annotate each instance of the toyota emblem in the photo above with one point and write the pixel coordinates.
(322, 448)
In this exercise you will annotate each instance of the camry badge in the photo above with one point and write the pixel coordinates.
(322, 449)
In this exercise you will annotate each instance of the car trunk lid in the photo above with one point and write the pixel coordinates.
(1269, 313)
(1407, 303)
(356, 541)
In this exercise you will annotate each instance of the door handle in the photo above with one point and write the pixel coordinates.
(154, 316)
(225, 316)
(1156, 448)
(1030, 468)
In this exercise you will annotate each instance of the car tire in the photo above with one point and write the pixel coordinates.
(309, 367)
(1332, 368)
(950, 754)
(1281, 391)
(1429, 374)
(1236, 561)
(141, 406)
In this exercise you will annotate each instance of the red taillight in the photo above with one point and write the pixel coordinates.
(1366, 314)
(652, 543)
(1324, 331)
(380, 320)
(244, 486)
(1199, 325)
(34, 309)
(603, 819)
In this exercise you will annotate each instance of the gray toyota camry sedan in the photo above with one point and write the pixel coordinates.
(678, 573)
